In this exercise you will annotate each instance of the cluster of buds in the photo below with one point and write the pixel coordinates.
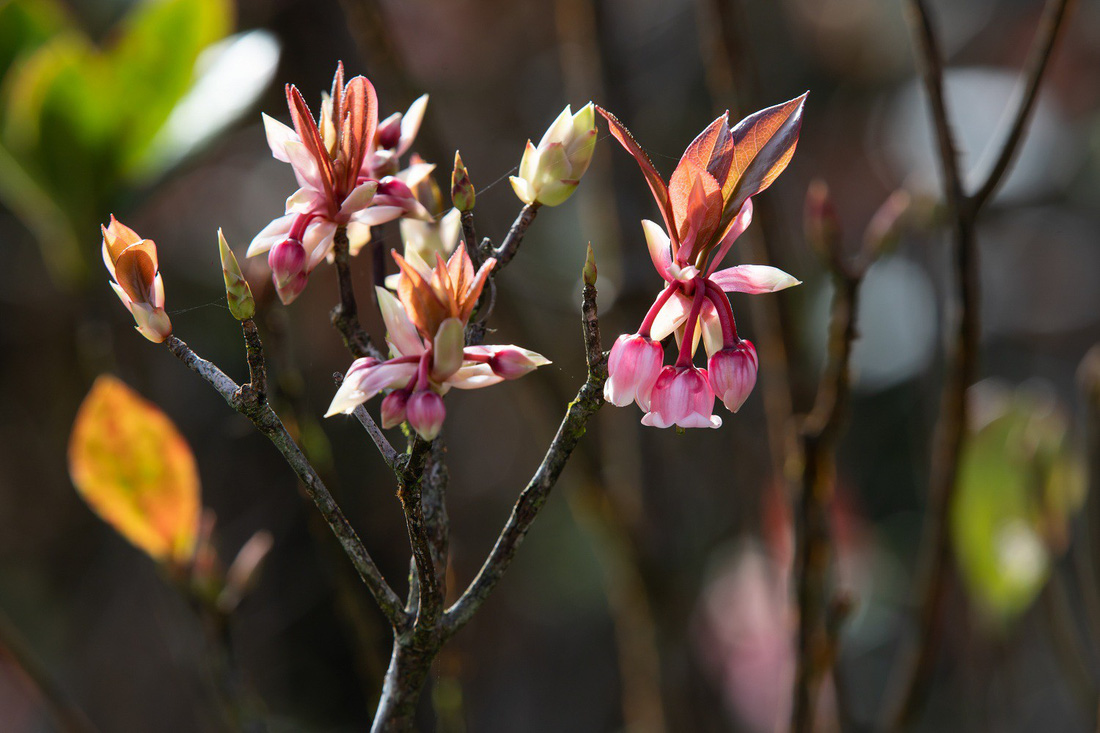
(347, 167)
(425, 329)
(705, 206)
(549, 173)
(135, 275)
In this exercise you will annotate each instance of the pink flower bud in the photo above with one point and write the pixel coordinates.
(394, 187)
(393, 408)
(513, 363)
(632, 369)
(389, 132)
(683, 397)
(425, 413)
(732, 374)
(286, 259)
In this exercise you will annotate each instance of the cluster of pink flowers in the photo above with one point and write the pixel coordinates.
(348, 170)
(705, 206)
(426, 332)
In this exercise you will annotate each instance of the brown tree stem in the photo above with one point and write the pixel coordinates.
(819, 435)
(508, 248)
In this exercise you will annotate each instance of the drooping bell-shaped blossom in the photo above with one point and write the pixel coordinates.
(337, 188)
(425, 330)
(135, 278)
(682, 397)
(705, 207)
(732, 374)
(633, 366)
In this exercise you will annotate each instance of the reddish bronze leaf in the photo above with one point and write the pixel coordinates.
(763, 144)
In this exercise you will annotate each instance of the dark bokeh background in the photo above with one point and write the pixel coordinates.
(647, 596)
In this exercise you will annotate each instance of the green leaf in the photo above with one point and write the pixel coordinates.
(1019, 483)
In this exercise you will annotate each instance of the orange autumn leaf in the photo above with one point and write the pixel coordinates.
(134, 469)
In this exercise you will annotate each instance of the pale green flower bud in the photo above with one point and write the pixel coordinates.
(237, 292)
(550, 172)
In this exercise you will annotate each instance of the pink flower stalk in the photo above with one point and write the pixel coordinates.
(705, 207)
(340, 184)
(135, 278)
(425, 329)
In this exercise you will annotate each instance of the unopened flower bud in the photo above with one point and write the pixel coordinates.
(512, 362)
(462, 191)
(588, 274)
(132, 264)
(237, 292)
(286, 259)
(732, 374)
(425, 413)
(550, 172)
(389, 132)
(393, 408)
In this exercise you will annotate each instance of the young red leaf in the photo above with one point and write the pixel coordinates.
(712, 149)
(763, 144)
(135, 470)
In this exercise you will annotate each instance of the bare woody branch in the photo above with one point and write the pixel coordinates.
(508, 248)
(587, 402)
(819, 435)
(268, 423)
(1046, 38)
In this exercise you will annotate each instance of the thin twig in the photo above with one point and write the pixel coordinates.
(820, 431)
(389, 453)
(961, 368)
(469, 236)
(508, 248)
(254, 353)
(587, 402)
(1046, 38)
(345, 315)
(267, 422)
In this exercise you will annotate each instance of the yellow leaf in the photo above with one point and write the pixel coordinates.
(134, 469)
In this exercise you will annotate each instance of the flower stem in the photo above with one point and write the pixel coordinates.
(687, 346)
(651, 315)
(725, 315)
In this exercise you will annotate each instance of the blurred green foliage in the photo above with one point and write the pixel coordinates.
(78, 122)
(1019, 484)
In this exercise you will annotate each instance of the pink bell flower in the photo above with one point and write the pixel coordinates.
(682, 397)
(732, 374)
(705, 206)
(632, 370)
